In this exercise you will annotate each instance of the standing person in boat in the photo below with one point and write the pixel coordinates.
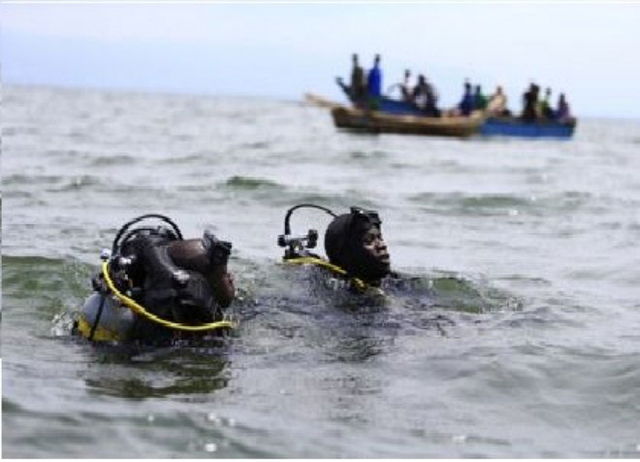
(356, 90)
(563, 113)
(530, 103)
(497, 105)
(466, 104)
(374, 83)
(156, 287)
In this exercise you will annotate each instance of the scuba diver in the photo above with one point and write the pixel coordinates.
(357, 253)
(359, 261)
(156, 287)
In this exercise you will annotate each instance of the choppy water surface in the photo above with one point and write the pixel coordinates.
(526, 343)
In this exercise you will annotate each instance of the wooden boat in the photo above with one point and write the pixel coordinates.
(393, 116)
(512, 126)
(381, 122)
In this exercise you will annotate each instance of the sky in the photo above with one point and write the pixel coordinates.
(588, 50)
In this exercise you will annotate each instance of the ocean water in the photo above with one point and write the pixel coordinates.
(526, 343)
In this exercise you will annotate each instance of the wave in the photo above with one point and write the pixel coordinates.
(115, 159)
(463, 204)
(251, 183)
(257, 145)
(501, 204)
(369, 155)
(77, 183)
(43, 280)
(23, 179)
(52, 183)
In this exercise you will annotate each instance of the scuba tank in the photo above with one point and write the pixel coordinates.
(113, 322)
(103, 317)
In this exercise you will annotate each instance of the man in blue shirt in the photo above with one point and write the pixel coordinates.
(374, 80)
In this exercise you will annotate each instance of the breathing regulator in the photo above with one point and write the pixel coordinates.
(299, 245)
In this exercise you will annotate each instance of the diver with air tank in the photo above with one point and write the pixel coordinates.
(156, 287)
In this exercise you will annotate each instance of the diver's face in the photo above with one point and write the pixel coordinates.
(375, 246)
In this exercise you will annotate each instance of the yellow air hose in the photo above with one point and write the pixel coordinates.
(139, 309)
(359, 283)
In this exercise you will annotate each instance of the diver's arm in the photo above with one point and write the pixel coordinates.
(222, 284)
(209, 256)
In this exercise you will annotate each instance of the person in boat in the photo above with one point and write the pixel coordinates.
(479, 100)
(544, 106)
(431, 108)
(356, 89)
(466, 104)
(530, 103)
(563, 113)
(405, 87)
(156, 287)
(374, 82)
(497, 104)
(425, 97)
(356, 252)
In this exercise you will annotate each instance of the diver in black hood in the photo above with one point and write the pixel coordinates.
(156, 286)
(353, 242)
(358, 260)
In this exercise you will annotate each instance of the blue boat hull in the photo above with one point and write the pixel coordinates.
(494, 126)
(516, 127)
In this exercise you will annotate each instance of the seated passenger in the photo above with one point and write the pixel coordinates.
(425, 97)
(156, 287)
(563, 113)
(431, 108)
(406, 92)
(544, 107)
(497, 105)
(479, 100)
(418, 94)
(405, 87)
